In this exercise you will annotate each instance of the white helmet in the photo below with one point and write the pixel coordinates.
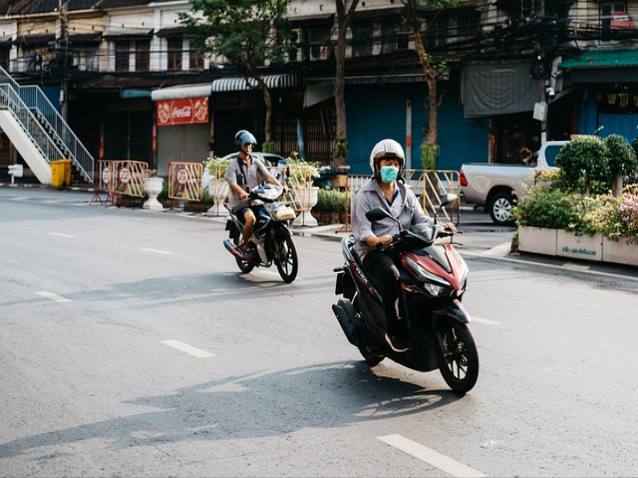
(387, 148)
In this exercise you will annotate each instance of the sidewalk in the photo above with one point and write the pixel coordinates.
(474, 246)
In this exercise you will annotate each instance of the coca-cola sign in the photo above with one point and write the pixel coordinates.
(182, 111)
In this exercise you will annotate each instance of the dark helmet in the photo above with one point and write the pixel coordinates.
(243, 137)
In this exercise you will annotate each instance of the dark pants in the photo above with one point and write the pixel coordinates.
(385, 276)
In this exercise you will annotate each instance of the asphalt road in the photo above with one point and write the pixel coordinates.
(131, 345)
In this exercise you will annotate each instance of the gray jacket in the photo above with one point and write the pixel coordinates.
(405, 208)
(247, 177)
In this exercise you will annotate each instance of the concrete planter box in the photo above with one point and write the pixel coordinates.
(538, 240)
(576, 246)
(620, 251)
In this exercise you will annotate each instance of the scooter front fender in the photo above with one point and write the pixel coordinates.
(455, 310)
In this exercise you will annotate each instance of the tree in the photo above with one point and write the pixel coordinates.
(343, 20)
(622, 161)
(431, 71)
(249, 33)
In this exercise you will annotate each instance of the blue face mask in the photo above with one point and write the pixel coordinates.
(389, 174)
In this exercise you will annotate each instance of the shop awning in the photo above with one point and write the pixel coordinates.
(36, 39)
(171, 31)
(181, 91)
(128, 35)
(310, 19)
(239, 83)
(132, 93)
(595, 59)
(499, 88)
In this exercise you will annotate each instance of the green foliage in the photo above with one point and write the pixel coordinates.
(216, 167)
(240, 30)
(622, 157)
(584, 164)
(429, 154)
(551, 208)
(268, 147)
(340, 149)
(163, 196)
(330, 200)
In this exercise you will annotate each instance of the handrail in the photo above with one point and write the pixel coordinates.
(34, 98)
(10, 99)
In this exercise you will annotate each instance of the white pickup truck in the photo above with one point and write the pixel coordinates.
(498, 186)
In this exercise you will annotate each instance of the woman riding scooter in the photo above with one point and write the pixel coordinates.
(386, 190)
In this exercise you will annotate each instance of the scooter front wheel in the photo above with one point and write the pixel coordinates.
(458, 357)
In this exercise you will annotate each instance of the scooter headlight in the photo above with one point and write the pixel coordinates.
(434, 285)
(433, 289)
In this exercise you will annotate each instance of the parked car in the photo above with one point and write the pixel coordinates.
(498, 186)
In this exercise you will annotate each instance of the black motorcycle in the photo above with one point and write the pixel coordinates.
(433, 280)
(271, 241)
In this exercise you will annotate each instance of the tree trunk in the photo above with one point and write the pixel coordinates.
(340, 101)
(342, 20)
(616, 185)
(433, 111)
(268, 117)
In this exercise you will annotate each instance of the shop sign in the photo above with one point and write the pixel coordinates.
(182, 111)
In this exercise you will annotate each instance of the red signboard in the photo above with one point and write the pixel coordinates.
(182, 111)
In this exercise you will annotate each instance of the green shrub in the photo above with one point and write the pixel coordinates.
(584, 164)
(550, 208)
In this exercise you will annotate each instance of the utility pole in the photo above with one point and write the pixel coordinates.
(62, 44)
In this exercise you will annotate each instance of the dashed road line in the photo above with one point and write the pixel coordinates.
(62, 234)
(156, 251)
(434, 458)
(481, 320)
(52, 296)
(186, 348)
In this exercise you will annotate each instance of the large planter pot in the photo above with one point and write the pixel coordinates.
(153, 187)
(538, 240)
(622, 251)
(570, 244)
(307, 198)
(218, 190)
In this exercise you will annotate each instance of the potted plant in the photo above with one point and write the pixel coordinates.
(153, 187)
(304, 193)
(218, 187)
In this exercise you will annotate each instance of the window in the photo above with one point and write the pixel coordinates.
(196, 59)
(318, 40)
(468, 23)
(613, 16)
(437, 30)
(142, 55)
(122, 55)
(4, 58)
(174, 50)
(86, 59)
(361, 38)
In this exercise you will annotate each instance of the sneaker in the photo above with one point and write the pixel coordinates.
(230, 247)
(248, 255)
(397, 343)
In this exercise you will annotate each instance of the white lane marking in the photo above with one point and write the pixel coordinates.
(434, 458)
(156, 251)
(53, 297)
(19, 198)
(61, 234)
(189, 349)
(481, 320)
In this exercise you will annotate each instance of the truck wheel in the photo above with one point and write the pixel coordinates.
(500, 208)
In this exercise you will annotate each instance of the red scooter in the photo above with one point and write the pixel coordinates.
(433, 281)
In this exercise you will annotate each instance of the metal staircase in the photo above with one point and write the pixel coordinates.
(43, 126)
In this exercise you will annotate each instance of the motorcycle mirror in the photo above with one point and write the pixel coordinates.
(377, 214)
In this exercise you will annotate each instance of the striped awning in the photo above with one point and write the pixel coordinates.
(239, 83)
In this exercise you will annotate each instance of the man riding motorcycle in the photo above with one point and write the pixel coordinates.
(386, 190)
(243, 174)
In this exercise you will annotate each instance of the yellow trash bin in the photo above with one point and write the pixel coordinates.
(57, 173)
(67, 171)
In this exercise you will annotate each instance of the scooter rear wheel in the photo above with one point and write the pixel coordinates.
(458, 357)
(243, 265)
